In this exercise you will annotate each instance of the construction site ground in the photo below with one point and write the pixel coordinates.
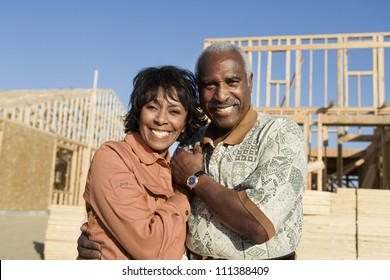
(22, 235)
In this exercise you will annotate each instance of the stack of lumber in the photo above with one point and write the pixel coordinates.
(62, 232)
(316, 203)
(329, 226)
(373, 224)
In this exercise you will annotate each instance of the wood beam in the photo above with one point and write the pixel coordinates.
(359, 138)
(356, 120)
(332, 153)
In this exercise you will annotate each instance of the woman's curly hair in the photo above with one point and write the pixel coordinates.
(173, 80)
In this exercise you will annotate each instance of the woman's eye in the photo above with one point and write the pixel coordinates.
(175, 112)
(151, 107)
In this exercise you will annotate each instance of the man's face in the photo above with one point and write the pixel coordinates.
(225, 92)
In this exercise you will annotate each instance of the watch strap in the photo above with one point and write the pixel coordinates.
(199, 173)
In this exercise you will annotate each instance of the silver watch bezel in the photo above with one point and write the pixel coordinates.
(194, 177)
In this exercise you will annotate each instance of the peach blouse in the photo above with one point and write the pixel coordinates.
(132, 209)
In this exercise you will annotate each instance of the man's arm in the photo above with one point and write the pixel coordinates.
(88, 250)
(224, 203)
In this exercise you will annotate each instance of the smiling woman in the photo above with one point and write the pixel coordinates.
(134, 212)
(162, 121)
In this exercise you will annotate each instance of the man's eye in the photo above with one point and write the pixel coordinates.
(208, 85)
(232, 82)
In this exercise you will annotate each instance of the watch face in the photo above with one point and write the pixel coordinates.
(192, 180)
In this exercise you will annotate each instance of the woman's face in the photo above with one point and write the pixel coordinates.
(161, 122)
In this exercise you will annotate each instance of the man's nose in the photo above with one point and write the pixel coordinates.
(221, 92)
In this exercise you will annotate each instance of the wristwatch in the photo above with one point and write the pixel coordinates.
(193, 180)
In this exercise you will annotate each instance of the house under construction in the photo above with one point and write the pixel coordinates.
(47, 139)
(334, 86)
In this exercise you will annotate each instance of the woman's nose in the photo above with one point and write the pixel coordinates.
(161, 117)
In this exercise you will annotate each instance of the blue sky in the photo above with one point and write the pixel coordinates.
(51, 44)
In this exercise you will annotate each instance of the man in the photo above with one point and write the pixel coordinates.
(248, 174)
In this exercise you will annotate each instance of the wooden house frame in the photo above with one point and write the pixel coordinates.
(79, 120)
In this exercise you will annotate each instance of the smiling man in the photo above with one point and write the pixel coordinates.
(248, 174)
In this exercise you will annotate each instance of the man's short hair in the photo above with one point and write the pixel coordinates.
(222, 46)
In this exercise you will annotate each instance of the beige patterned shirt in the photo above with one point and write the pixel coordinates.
(269, 164)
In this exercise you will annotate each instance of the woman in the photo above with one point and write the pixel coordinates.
(133, 210)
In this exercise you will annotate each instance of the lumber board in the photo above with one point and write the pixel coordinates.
(62, 232)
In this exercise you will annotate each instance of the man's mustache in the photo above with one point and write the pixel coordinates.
(227, 103)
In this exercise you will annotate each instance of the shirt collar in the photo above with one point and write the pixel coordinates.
(238, 134)
(143, 151)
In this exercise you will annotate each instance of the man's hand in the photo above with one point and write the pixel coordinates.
(88, 250)
(185, 163)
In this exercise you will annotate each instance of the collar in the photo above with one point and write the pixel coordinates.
(237, 135)
(143, 151)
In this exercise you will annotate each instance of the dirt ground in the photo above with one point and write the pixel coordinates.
(22, 235)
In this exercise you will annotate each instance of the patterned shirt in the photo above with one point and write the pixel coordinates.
(268, 164)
